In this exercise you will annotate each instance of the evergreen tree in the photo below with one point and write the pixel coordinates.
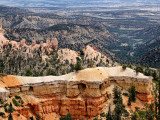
(129, 101)
(118, 101)
(155, 76)
(117, 95)
(132, 93)
(109, 115)
(124, 67)
(10, 109)
(139, 69)
(10, 117)
(78, 66)
(28, 72)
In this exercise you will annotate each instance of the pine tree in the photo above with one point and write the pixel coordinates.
(132, 93)
(28, 72)
(10, 109)
(109, 115)
(117, 95)
(78, 66)
(129, 101)
(10, 117)
(118, 101)
(139, 69)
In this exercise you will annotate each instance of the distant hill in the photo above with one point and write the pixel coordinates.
(152, 58)
(74, 3)
(72, 36)
(148, 52)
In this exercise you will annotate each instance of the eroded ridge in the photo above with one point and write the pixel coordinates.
(82, 93)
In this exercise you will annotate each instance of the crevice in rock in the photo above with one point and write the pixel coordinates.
(81, 87)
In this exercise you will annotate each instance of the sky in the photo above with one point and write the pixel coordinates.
(69, 3)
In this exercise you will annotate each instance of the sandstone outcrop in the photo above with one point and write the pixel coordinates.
(49, 45)
(82, 93)
(0, 26)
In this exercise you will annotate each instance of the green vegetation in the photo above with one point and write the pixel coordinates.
(119, 106)
(132, 93)
(15, 102)
(2, 114)
(67, 117)
(28, 72)
(124, 67)
(103, 114)
(31, 118)
(10, 117)
(17, 97)
(38, 117)
(134, 116)
(78, 66)
(10, 109)
(109, 115)
(139, 69)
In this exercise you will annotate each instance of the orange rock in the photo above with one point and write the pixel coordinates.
(144, 97)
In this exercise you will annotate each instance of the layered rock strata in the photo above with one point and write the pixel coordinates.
(49, 45)
(81, 93)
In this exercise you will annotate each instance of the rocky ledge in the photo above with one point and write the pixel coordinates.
(82, 93)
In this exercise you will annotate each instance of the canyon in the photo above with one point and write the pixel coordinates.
(83, 93)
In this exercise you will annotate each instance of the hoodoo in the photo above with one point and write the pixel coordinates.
(83, 94)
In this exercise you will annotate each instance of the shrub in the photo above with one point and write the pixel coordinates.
(15, 102)
(95, 119)
(134, 116)
(1, 106)
(141, 114)
(125, 94)
(2, 114)
(21, 101)
(103, 114)
(139, 69)
(67, 117)
(124, 67)
(31, 118)
(10, 109)
(28, 72)
(38, 117)
(126, 113)
(78, 66)
(17, 97)
(137, 108)
(5, 107)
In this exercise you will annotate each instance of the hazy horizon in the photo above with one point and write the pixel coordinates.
(77, 3)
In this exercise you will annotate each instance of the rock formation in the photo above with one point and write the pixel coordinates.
(0, 26)
(82, 93)
(22, 44)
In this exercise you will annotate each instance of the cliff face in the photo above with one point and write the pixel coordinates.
(143, 86)
(83, 93)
